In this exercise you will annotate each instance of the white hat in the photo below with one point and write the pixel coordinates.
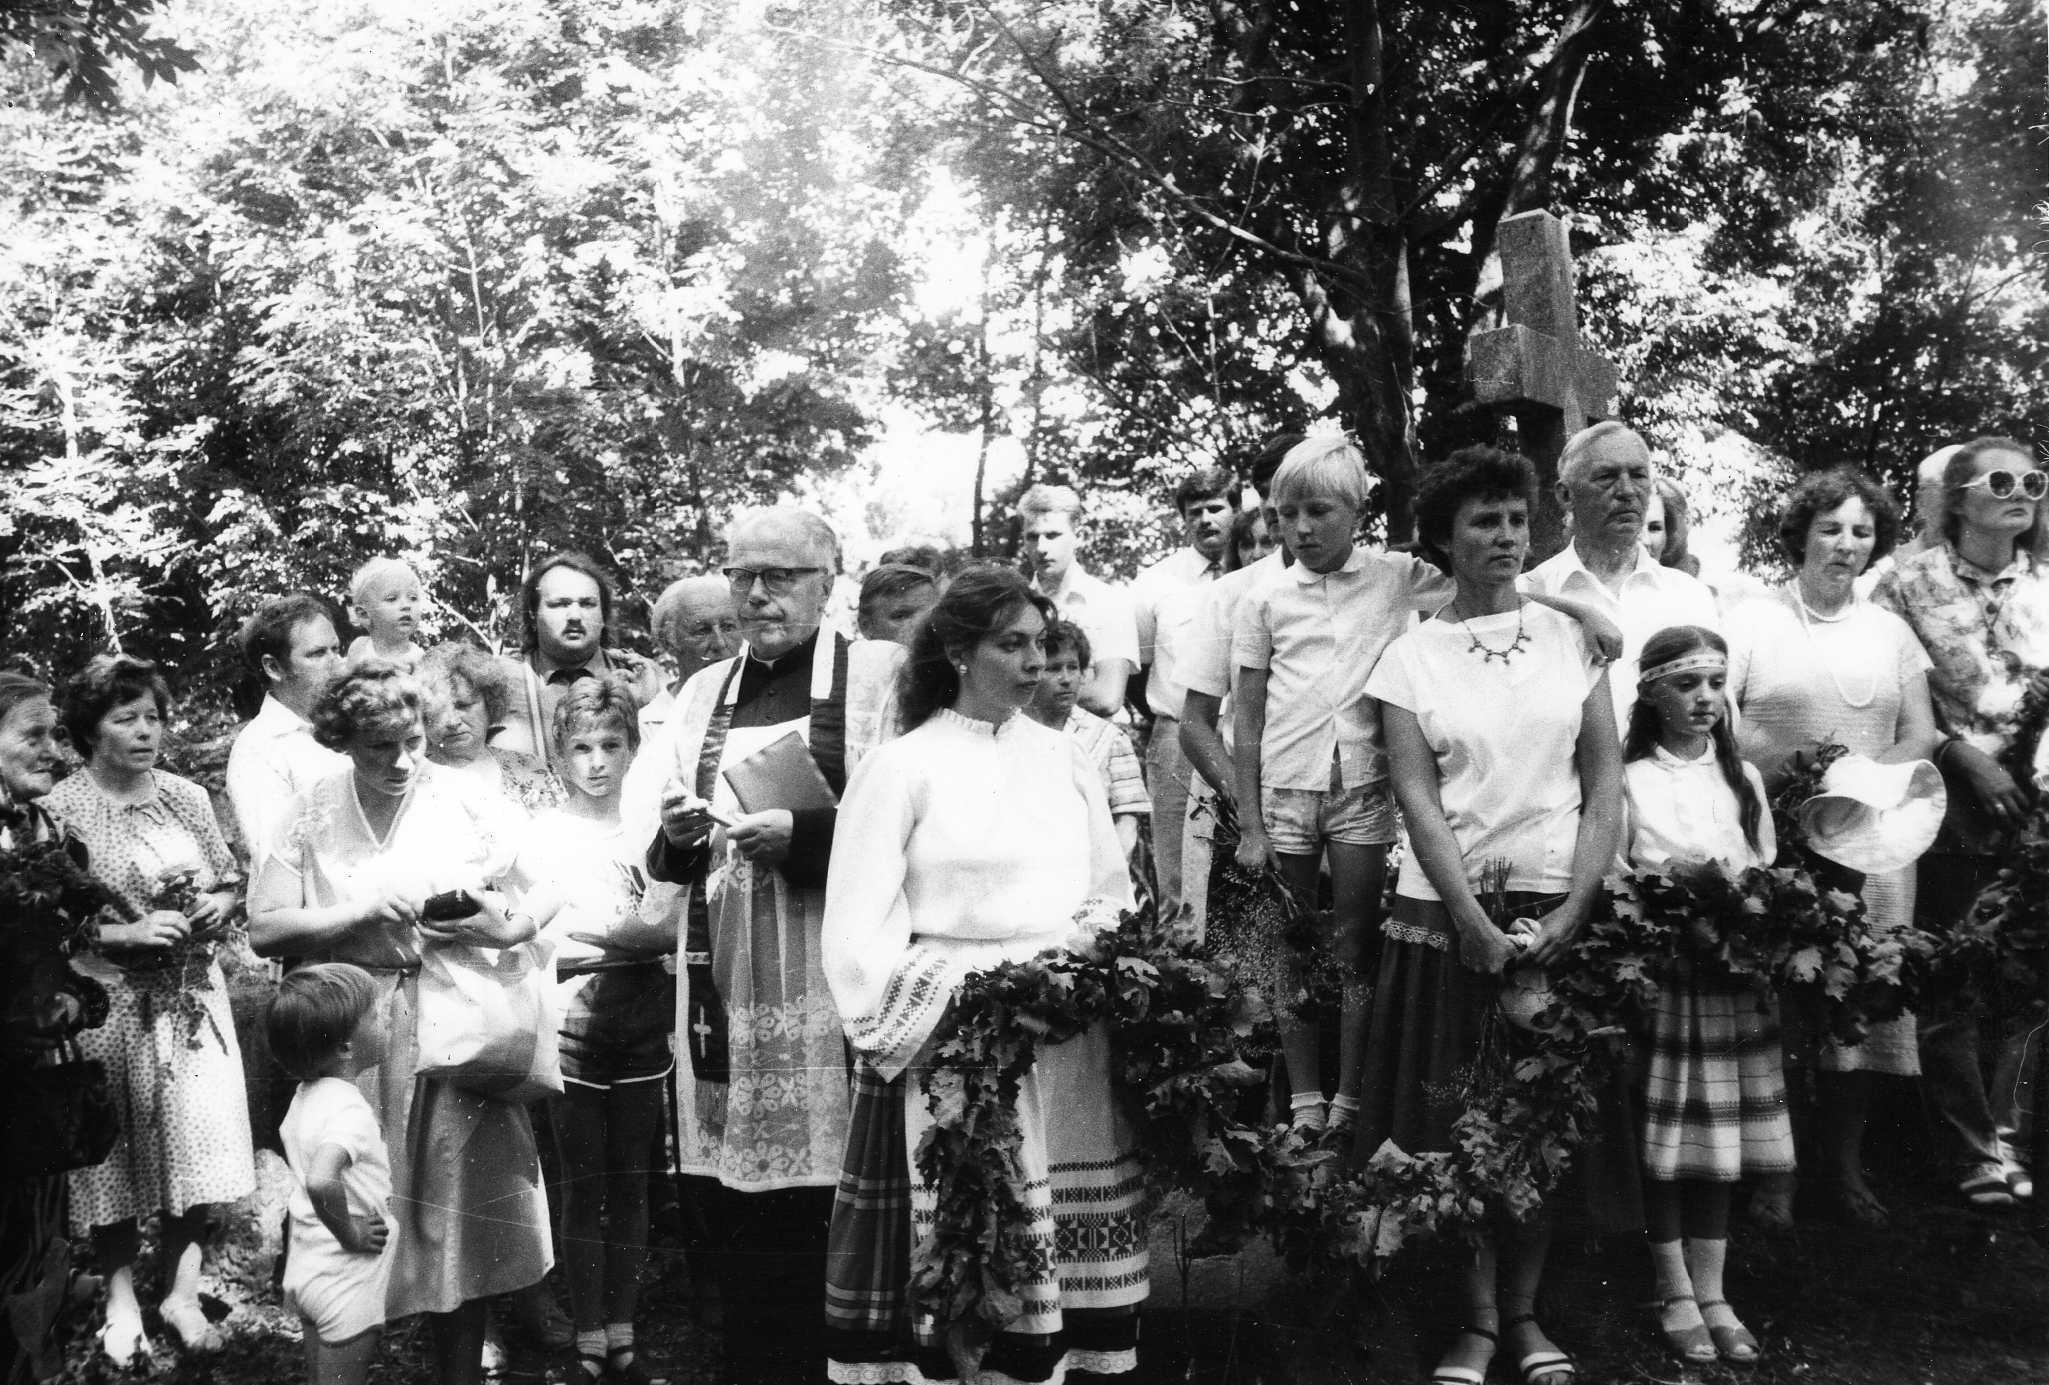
(1872, 817)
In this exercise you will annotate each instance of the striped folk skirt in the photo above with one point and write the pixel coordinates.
(1714, 1094)
(1085, 1187)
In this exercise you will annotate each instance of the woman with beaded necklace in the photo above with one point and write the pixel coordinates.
(1502, 748)
(1811, 663)
(1979, 601)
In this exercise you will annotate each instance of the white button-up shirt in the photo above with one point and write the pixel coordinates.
(273, 761)
(1318, 635)
(1166, 604)
(1653, 597)
(1102, 611)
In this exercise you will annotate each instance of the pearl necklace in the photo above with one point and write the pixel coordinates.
(1807, 616)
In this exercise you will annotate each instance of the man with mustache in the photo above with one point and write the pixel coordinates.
(567, 601)
(1165, 599)
(764, 1098)
(1605, 481)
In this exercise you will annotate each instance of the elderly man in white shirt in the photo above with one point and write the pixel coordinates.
(290, 643)
(1167, 602)
(1049, 515)
(1605, 482)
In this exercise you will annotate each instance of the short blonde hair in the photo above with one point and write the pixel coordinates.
(375, 571)
(1049, 500)
(1330, 464)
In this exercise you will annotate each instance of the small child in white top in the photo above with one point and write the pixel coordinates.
(385, 600)
(1714, 1095)
(326, 1028)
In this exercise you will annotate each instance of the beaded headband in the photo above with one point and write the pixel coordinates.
(1685, 663)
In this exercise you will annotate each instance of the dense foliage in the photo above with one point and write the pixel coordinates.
(473, 280)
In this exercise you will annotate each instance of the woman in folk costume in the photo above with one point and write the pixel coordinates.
(972, 841)
(1714, 1095)
(763, 1099)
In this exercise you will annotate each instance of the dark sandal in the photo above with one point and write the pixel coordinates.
(1542, 1363)
(631, 1373)
(1466, 1375)
(1733, 1342)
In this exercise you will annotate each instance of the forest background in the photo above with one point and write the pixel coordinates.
(288, 283)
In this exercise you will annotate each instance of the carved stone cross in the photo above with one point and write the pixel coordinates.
(1534, 367)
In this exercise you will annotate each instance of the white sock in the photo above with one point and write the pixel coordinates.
(1669, 1275)
(1305, 1111)
(1704, 1261)
(619, 1342)
(590, 1343)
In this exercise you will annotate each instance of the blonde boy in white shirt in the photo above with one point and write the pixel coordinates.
(1307, 748)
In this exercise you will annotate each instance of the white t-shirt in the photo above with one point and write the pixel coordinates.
(594, 867)
(1318, 635)
(1505, 735)
(340, 1292)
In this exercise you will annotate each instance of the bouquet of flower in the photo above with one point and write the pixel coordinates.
(175, 975)
(52, 907)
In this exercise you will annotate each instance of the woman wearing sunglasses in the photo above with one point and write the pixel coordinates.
(1979, 601)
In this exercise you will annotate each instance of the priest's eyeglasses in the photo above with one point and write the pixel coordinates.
(2003, 483)
(778, 580)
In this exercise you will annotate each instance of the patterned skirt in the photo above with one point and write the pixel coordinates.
(174, 1067)
(1714, 1095)
(1086, 1189)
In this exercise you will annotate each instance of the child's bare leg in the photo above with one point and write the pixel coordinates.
(1298, 1037)
(1678, 1307)
(339, 1363)
(1357, 873)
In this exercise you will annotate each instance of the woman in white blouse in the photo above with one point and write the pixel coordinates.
(974, 840)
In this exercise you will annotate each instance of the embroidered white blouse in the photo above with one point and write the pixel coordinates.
(961, 845)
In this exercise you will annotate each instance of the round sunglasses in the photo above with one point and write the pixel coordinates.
(2002, 484)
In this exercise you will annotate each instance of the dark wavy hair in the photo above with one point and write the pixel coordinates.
(1471, 473)
(980, 601)
(365, 693)
(1822, 491)
(1206, 483)
(268, 631)
(1065, 634)
(102, 685)
(1642, 738)
(530, 595)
